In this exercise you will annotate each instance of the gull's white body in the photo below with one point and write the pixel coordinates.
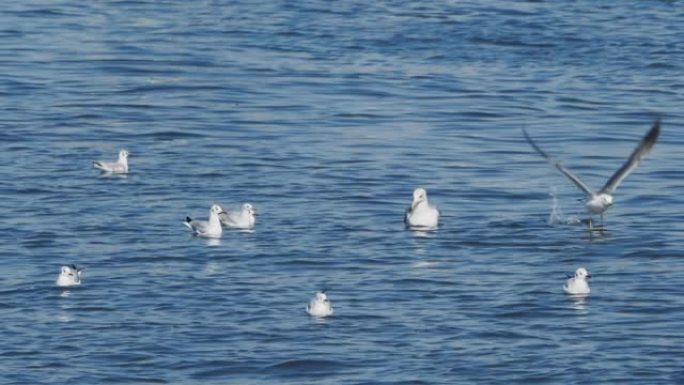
(207, 229)
(319, 306)
(245, 218)
(69, 276)
(578, 284)
(421, 214)
(599, 201)
(118, 167)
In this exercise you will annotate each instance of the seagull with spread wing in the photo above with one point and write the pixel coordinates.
(599, 201)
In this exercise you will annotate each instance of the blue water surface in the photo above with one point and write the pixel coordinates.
(326, 116)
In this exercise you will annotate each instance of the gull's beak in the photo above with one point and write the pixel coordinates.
(414, 204)
(588, 275)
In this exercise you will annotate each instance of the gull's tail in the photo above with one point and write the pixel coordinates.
(99, 165)
(188, 222)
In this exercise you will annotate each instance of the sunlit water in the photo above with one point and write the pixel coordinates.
(326, 116)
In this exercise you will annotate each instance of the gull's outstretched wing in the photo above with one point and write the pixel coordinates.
(583, 186)
(642, 149)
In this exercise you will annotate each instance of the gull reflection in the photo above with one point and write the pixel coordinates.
(579, 302)
(213, 242)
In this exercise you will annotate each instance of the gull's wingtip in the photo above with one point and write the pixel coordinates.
(648, 141)
(535, 146)
(654, 132)
(526, 134)
(643, 148)
(188, 223)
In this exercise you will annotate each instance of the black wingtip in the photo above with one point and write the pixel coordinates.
(648, 141)
(534, 145)
(654, 132)
(188, 219)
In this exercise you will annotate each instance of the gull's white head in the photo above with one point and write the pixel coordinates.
(582, 273)
(321, 297)
(216, 209)
(249, 208)
(123, 154)
(70, 275)
(419, 195)
(607, 199)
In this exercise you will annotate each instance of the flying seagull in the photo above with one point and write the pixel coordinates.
(599, 201)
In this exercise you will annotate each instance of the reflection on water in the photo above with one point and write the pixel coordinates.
(211, 268)
(579, 302)
(320, 320)
(65, 317)
(113, 175)
(420, 238)
(425, 264)
(598, 236)
(213, 242)
(420, 231)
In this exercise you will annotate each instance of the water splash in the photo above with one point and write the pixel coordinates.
(556, 215)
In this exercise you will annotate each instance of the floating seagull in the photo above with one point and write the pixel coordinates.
(243, 219)
(599, 201)
(577, 284)
(118, 167)
(421, 214)
(319, 306)
(207, 229)
(69, 276)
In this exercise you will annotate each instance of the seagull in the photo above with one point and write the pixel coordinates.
(421, 214)
(319, 306)
(69, 276)
(243, 219)
(118, 167)
(577, 284)
(207, 229)
(599, 201)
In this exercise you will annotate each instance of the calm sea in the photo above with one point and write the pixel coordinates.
(325, 116)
